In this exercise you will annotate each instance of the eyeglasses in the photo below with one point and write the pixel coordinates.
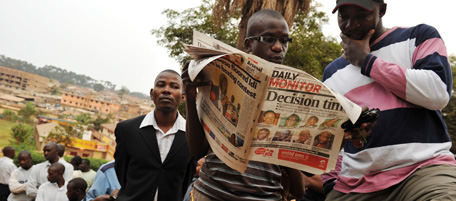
(271, 39)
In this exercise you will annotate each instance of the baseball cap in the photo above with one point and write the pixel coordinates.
(364, 4)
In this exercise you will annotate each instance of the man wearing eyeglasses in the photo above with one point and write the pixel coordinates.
(268, 38)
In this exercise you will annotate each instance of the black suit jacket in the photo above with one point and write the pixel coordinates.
(140, 170)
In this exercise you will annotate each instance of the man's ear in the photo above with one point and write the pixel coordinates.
(151, 94)
(183, 98)
(248, 45)
(382, 10)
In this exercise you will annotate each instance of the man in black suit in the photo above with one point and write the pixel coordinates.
(153, 161)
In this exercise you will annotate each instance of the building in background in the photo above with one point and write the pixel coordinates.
(19, 80)
(89, 102)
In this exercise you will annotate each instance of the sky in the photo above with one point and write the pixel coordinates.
(110, 39)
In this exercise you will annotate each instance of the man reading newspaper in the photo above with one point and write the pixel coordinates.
(267, 37)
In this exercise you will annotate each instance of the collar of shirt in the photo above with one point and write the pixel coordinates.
(7, 159)
(62, 160)
(149, 120)
(46, 163)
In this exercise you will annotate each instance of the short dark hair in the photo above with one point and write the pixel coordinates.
(262, 14)
(8, 151)
(85, 160)
(169, 71)
(77, 160)
(59, 166)
(79, 184)
(60, 149)
(26, 153)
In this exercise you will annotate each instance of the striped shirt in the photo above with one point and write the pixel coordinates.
(261, 181)
(408, 77)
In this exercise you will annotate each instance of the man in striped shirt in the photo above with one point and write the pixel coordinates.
(406, 74)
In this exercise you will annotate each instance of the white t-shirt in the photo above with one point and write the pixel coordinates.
(52, 192)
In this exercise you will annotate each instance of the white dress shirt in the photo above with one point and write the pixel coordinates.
(39, 175)
(18, 184)
(6, 168)
(164, 140)
(52, 192)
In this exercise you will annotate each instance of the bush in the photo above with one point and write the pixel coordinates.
(9, 115)
(38, 157)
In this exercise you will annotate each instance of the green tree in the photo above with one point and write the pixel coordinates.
(179, 29)
(84, 118)
(98, 87)
(225, 10)
(182, 109)
(9, 115)
(100, 120)
(306, 31)
(27, 111)
(121, 92)
(64, 134)
(22, 134)
(311, 51)
(55, 90)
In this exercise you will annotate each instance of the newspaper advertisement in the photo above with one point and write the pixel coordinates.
(267, 112)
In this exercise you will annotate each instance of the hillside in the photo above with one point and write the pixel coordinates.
(65, 76)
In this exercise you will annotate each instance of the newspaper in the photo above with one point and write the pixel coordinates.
(262, 111)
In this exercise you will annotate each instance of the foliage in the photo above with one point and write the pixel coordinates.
(100, 120)
(179, 29)
(55, 90)
(224, 10)
(182, 109)
(95, 163)
(140, 95)
(5, 132)
(27, 111)
(121, 92)
(63, 76)
(84, 118)
(22, 134)
(310, 50)
(37, 157)
(306, 32)
(98, 87)
(449, 112)
(9, 115)
(64, 134)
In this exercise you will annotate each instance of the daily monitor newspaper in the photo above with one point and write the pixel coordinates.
(262, 111)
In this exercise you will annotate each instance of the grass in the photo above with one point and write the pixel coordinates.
(5, 132)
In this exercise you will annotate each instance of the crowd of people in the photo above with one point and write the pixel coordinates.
(404, 72)
(55, 178)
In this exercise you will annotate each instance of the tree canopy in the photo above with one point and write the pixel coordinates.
(306, 32)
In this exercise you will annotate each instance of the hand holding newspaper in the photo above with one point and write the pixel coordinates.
(267, 112)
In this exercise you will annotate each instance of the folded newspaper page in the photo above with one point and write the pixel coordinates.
(267, 112)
